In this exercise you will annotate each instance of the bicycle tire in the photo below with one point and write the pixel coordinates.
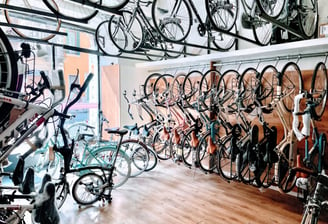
(272, 9)
(286, 183)
(176, 87)
(173, 50)
(219, 16)
(153, 160)
(8, 76)
(291, 84)
(205, 159)
(162, 90)
(246, 174)
(265, 178)
(87, 189)
(126, 40)
(138, 154)
(148, 86)
(162, 147)
(226, 165)
(262, 30)
(308, 17)
(104, 41)
(248, 84)
(182, 17)
(24, 33)
(79, 16)
(115, 4)
(228, 85)
(223, 41)
(319, 85)
(122, 168)
(266, 92)
(186, 148)
(191, 86)
(62, 190)
(209, 81)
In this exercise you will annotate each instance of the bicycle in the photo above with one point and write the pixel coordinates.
(302, 15)
(42, 205)
(170, 15)
(316, 202)
(132, 31)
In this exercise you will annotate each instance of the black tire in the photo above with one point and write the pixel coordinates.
(183, 19)
(206, 159)
(286, 181)
(273, 10)
(228, 87)
(8, 76)
(268, 85)
(162, 147)
(88, 188)
(308, 17)
(186, 148)
(248, 84)
(103, 40)
(148, 86)
(262, 30)
(126, 41)
(291, 84)
(63, 10)
(228, 12)
(62, 190)
(319, 85)
(162, 90)
(153, 160)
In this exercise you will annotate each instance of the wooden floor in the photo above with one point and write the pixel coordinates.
(176, 194)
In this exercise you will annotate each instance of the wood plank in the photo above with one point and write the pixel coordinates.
(176, 194)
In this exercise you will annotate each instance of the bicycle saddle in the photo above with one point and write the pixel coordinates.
(116, 131)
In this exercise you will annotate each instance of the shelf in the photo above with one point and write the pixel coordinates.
(299, 48)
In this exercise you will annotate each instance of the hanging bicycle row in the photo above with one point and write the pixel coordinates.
(207, 120)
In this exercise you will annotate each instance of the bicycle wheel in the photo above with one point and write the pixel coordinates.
(308, 17)
(104, 156)
(170, 16)
(222, 14)
(266, 92)
(209, 81)
(246, 168)
(222, 41)
(126, 31)
(138, 154)
(319, 86)
(162, 87)
(63, 9)
(148, 86)
(114, 4)
(172, 49)
(154, 49)
(291, 84)
(62, 190)
(190, 90)
(206, 158)
(248, 84)
(153, 160)
(88, 188)
(8, 76)
(186, 148)
(271, 8)
(262, 30)
(286, 182)
(104, 41)
(35, 21)
(162, 146)
(176, 88)
(228, 87)
(227, 161)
